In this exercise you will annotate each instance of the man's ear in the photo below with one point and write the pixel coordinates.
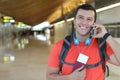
(74, 22)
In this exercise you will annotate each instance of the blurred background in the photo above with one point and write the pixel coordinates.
(29, 28)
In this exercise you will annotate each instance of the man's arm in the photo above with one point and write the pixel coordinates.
(53, 74)
(115, 58)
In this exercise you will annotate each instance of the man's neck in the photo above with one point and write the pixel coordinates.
(83, 37)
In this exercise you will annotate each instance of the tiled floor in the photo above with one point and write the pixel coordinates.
(30, 62)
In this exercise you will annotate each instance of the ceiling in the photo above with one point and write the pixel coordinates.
(33, 12)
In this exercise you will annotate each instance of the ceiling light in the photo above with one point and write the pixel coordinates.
(108, 7)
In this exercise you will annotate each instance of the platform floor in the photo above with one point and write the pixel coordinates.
(30, 63)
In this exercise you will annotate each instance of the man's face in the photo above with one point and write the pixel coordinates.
(83, 21)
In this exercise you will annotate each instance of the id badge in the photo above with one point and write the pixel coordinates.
(82, 58)
(81, 61)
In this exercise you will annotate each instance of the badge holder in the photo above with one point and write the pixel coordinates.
(81, 61)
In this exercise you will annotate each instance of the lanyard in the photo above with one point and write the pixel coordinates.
(83, 49)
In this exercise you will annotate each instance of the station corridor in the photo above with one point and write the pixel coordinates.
(29, 63)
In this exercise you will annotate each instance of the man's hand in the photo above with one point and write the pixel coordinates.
(77, 74)
(101, 30)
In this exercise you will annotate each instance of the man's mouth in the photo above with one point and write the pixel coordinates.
(83, 27)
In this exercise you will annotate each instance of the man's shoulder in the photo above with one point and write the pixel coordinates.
(68, 38)
(58, 43)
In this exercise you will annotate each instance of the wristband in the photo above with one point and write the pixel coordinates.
(106, 36)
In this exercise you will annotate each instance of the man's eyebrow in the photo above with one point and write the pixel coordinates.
(80, 15)
(90, 17)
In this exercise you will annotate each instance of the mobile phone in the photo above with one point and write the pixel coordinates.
(93, 31)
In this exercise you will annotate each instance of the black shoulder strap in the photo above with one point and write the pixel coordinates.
(103, 54)
(103, 47)
(64, 51)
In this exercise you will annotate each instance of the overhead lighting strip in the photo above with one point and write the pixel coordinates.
(108, 7)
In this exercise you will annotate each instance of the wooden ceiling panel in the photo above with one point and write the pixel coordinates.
(33, 12)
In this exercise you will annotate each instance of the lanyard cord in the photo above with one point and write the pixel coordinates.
(82, 50)
(85, 47)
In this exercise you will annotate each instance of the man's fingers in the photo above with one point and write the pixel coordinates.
(80, 68)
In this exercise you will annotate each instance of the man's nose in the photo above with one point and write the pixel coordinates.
(84, 21)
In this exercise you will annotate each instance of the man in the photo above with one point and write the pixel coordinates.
(84, 21)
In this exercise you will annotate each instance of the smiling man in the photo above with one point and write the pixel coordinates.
(83, 49)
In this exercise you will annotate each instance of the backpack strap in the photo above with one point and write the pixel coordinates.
(65, 48)
(103, 47)
(103, 54)
(89, 66)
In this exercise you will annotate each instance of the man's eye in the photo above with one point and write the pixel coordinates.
(80, 17)
(89, 19)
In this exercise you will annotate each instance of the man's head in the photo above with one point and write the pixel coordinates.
(84, 18)
(86, 7)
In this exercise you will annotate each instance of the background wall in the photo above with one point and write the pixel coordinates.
(61, 30)
(109, 16)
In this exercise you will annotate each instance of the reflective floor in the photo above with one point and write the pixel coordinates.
(29, 61)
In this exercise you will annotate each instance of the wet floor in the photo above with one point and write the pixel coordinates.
(29, 61)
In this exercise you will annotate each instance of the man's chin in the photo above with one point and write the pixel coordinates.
(85, 34)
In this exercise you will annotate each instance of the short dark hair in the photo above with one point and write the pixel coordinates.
(86, 7)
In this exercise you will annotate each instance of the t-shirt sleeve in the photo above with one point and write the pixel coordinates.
(109, 50)
(54, 59)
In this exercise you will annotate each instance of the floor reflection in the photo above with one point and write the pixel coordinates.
(8, 57)
(21, 42)
(25, 59)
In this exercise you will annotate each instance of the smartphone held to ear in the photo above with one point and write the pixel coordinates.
(93, 31)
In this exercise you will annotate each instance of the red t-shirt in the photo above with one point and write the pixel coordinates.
(92, 51)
